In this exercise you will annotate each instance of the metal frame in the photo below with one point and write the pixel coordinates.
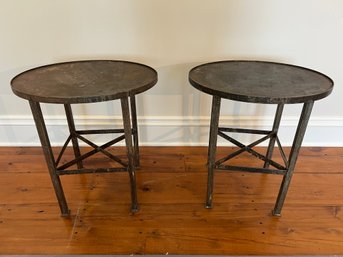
(129, 133)
(285, 169)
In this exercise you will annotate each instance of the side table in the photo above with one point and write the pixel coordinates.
(87, 82)
(264, 83)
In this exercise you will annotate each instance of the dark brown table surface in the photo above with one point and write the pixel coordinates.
(260, 82)
(84, 81)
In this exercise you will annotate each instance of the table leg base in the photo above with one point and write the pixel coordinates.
(208, 205)
(57, 170)
(135, 209)
(276, 214)
(66, 215)
(286, 169)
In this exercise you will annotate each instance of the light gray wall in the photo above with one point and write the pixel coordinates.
(172, 37)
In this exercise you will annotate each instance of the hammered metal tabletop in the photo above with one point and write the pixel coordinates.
(84, 81)
(260, 82)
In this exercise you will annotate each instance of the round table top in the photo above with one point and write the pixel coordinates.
(84, 81)
(260, 82)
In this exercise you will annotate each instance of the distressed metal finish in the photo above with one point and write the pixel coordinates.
(84, 81)
(293, 156)
(212, 148)
(87, 82)
(275, 129)
(134, 130)
(72, 130)
(49, 157)
(259, 82)
(130, 151)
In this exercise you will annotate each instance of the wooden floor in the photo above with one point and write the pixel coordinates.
(172, 218)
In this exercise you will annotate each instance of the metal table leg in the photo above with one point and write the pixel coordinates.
(130, 152)
(49, 157)
(72, 130)
(134, 130)
(303, 121)
(212, 148)
(275, 129)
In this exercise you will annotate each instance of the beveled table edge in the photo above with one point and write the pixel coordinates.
(263, 100)
(78, 100)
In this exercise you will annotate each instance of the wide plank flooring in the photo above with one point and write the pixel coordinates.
(172, 219)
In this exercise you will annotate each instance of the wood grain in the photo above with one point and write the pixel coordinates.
(172, 219)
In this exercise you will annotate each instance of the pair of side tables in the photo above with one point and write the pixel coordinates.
(104, 80)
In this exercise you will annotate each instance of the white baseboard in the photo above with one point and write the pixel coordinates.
(171, 130)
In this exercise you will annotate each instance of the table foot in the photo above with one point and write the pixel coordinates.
(276, 213)
(208, 205)
(66, 215)
(135, 208)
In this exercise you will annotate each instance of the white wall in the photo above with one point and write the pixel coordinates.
(172, 37)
